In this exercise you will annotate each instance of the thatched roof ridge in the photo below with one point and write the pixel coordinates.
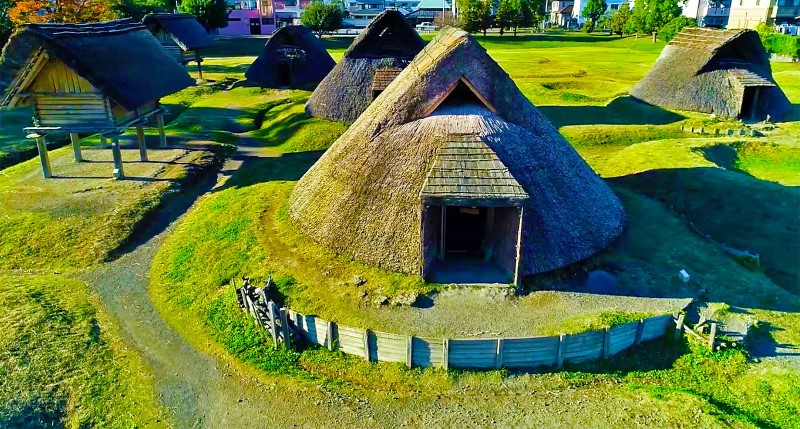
(313, 67)
(388, 42)
(120, 58)
(362, 198)
(705, 70)
(184, 28)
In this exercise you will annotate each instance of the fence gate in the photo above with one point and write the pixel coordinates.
(255, 302)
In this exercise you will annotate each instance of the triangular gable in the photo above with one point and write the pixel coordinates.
(24, 79)
(462, 89)
(388, 35)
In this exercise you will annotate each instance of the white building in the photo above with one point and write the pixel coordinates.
(707, 13)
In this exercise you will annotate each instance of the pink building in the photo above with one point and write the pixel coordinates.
(262, 16)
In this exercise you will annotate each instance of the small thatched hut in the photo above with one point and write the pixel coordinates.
(451, 171)
(725, 72)
(181, 35)
(371, 63)
(88, 78)
(293, 56)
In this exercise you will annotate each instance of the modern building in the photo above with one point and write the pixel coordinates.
(708, 13)
(561, 13)
(750, 13)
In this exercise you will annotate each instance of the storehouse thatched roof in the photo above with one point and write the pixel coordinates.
(706, 70)
(120, 58)
(364, 196)
(183, 28)
(297, 48)
(374, 59)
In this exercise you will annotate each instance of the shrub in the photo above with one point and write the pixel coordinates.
(672, 28)
(776, 43)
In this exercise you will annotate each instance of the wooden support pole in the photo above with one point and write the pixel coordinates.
(162, 137)
(409, 351)
(446, 353)
(119, 173)
(366, 344)
(607, 343)
(498, 359)
(639, 330)
(103, 142)
(199, 65)
(287, 335)
(679, 326)
(44, 157)
(560, 353)
(76, 146)
(712, 336)
(140, 141)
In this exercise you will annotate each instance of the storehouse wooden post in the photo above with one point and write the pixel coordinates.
(140, 141)
(76, 146)
(44, 157)
(162, 137)
(119, 173)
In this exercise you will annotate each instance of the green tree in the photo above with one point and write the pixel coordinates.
(211, 14)
(137, 9)
(507, 15)
(6, 26)
(474, 15)
(620, 19)
(651, 15)
(322, 18)
(593, 10)
(672, 28)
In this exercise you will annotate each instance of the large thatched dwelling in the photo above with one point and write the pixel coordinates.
(452, 173)
(88, 78)
(371, 63)
(181, 35)
(725, 72)
(293, 56)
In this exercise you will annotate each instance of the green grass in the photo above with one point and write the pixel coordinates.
(62, 363)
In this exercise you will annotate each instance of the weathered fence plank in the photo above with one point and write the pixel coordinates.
(466, 353)
(530, 352)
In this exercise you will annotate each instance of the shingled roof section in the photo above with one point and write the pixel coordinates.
(466, 169)
(120, 58)
(184, 29)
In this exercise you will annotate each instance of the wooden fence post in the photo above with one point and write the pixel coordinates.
(287, 334)
(409, 351)
(560, 354)
(329, 337)
(272, 325)
(679, 326)
(498, 359)
(606, 343)
(639, 330)
(366, 344)
(712, 336)
(446, 353)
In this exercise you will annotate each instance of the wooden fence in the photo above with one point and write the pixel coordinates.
(464, 353)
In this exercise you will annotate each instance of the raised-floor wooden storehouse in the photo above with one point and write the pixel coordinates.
(83, 79)
(292, 57)
(385, 47)
(452, 174)
(724, 72)
(182, 36)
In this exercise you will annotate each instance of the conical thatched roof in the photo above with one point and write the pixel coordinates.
(707, 70)
(183, 28)
(293, 56)
(120, 58)
(365, 195)
(374, 59)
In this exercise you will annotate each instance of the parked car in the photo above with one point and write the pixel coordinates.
(426, 26)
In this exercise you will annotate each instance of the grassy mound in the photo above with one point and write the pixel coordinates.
(62, 363)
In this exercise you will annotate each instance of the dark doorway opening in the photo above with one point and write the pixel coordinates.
(465, 232)
(255, 25)
(750, 103)
(284, 74)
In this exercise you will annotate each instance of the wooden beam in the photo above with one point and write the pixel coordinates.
(119, 172)
(44, 157)
(140, 141)
(162, 138)
(519, 248)
(76, 146)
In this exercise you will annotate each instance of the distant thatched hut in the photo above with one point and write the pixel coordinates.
(725, 72)
(181, 35)
(88, 78)
(293, 56)
(371, 63)
(452, 173)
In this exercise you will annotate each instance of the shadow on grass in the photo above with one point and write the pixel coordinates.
(36, 413)
(761, 342)
(509, 38)
(620, 111)
(286, 167)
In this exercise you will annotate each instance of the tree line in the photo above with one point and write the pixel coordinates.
(647, 17)
(476, 15)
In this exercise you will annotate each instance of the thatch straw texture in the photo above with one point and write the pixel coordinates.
(270, 68)
(362, 198)
(388, 42)
(183, 28)
(120, 58)
(708, 70)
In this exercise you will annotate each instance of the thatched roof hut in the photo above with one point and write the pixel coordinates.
(88, 78)
(293, 56)
(452, 164)
(180, 34)
(374, 59)
(725, 72)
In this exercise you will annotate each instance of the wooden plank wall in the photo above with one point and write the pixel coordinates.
(482, 353)
(58, 78)
(86, 110)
